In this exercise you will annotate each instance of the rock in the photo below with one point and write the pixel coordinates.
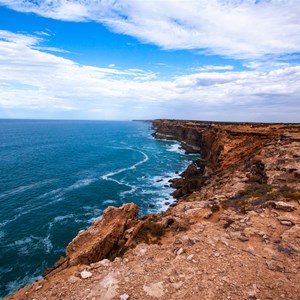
(290, 218)
(280, 205)
(85, 274)
(190, 257)
(103, 262)
(38, 287)
(207, 215)
(287, 223)
(154, 289)
(100, 239)
(180, 251)
(275, 265)
(177, 285)
(73, 279)
(124, 297)
(243, 238)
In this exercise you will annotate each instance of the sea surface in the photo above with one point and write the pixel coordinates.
(57, 177)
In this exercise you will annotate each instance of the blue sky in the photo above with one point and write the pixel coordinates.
(231, 60)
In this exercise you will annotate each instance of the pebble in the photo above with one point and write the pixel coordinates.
(86, 274)
(287, 223)
(124, 297)
(243, 238)
(103, 262)
(180, 251)
(190, 257)
(38, 287)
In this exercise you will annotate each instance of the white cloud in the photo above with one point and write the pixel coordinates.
(215, 68)
(240, 29)
(39, 82)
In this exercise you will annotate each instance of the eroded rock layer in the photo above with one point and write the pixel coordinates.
(234, 232)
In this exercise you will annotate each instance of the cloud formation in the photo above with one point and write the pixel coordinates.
(243, 29)
(33, 81)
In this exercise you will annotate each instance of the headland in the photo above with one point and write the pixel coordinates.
(234, 232)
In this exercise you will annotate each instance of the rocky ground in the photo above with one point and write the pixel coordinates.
(233, 234)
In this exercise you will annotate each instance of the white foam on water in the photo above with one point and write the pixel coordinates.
(175, 148)
(132, 190)
(53, 192)
(110, 174)
(58, 198)
(80, 183)
(59, 219)
(12, 286)
(27, 245)
(24, 188)
(106, 202)
(2, 234)
(48, 246)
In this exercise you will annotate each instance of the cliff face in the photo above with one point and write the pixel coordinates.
(234, 232)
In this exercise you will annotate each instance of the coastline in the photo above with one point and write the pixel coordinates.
(253, 158)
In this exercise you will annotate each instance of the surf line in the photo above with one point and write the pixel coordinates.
(109, 175)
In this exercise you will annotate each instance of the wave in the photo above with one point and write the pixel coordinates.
(58, 198)
(27, 245)
(12, 286)
(108, 175)
(80, 183)
(25, 188)
(175, 148)
(2, 234)
(109, 202)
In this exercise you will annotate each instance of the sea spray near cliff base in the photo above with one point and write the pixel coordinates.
(58, 176)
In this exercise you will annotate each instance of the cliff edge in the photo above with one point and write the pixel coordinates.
(234, 232)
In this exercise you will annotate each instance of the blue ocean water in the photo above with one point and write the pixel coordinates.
(57, 177)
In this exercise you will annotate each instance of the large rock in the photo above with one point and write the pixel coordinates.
(102, 237)
(99, 240)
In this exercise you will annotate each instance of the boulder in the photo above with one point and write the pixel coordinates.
(102, 237)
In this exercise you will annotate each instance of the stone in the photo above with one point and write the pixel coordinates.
(280, 205)
(154, 289)
(38, 287)
(286, 223)
(180, 251)
(275, 265)
(124, 297)
(74, 279)
(86, 274)
(207, 215)
(190, 257)
(95, 243)
(243, 238)
(103, 262)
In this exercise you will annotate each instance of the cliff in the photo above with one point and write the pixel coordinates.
(234, 232)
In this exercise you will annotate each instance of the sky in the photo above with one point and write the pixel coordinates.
(218, 60)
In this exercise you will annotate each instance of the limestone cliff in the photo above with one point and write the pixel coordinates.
(234, 232)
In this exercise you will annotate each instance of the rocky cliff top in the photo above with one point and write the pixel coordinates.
(234, 232)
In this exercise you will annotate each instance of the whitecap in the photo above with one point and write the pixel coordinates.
(2, 234)
(58, 198)
(48, 246)
(108, 175)
(80, 183)
(24, 188)
(132, 190)
(106, 202)
(12, 286)
(27, 245)
(176, 147)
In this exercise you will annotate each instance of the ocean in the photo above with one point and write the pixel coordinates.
(57, 177)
